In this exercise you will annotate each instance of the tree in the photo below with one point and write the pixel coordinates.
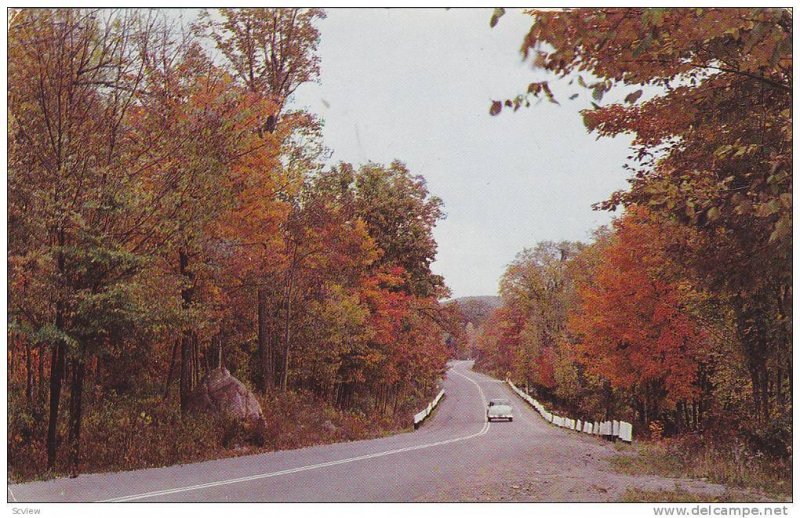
(74, 77)
(634, 327)
(154, 193)
(400, 215)
(271, 52)
(104, 199)
(337, 233)
(536, 284)
(712, 145)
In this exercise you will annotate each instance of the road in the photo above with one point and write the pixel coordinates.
(454, 456)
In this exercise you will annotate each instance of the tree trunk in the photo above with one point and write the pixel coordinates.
(687, 420)
(28, 373)
(765, 394)
(205, 360)
(195, 360)
(76, 392)
(11, 367)
(58, 362)
(186, 338)
(284, 381)
(265, 378)
(756, 391)
(40, 389)
(56, 370)
(171, 370)
(287, 331)
(220, 355)
(186, 370)
(645, 409)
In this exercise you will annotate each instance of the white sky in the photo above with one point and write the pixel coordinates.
(416, 85)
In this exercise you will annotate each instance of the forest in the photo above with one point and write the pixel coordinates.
(170, 213)
(678, 316)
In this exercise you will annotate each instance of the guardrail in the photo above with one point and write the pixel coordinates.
(421, 416)
(611, 429)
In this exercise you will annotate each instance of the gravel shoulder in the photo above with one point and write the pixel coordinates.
(551, 464)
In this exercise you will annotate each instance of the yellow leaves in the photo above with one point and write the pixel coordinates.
(736, 150)
(781, 230)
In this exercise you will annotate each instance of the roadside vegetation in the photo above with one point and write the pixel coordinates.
(678, 316)
(129, 433)
(169, 213)
(676, 495)
(734, 465)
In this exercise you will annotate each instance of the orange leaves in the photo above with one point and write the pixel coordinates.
(632, 325)
(387, 306)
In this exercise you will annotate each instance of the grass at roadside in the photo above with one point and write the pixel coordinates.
(681, 495)
(733, 466)
(671, 496)
(123, 434)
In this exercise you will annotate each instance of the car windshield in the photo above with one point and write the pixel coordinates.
(496, 402)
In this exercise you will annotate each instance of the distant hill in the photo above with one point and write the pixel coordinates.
(477, 309)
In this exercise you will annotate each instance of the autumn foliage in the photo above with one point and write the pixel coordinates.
(633, 324)
(680, 314)
(169, 213)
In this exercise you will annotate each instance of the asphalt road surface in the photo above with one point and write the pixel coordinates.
(455, 456)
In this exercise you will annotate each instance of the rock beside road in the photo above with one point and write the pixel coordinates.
(221, 393)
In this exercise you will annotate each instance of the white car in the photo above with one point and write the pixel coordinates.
(499, 409)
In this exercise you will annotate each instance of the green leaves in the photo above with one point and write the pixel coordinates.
(496, 15)
(598, 91)
(653, 17)
(643, 46)
(50, 334)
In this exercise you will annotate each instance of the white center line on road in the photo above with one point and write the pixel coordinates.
(483, 397)
(260, 476)
(491, 380)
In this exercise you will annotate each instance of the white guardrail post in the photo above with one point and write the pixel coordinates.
(626, 431)
(610, 429)
(421, 416)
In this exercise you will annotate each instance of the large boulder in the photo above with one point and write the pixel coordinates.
(221, 393)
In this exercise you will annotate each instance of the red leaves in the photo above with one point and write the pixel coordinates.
(633, 326)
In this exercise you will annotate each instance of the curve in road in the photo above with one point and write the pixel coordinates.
(455, 456)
